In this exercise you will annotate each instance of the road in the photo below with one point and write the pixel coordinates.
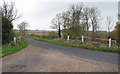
(41, 56)
(88, 54)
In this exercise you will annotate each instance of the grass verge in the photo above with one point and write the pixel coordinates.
(84, 46)
(6, 50)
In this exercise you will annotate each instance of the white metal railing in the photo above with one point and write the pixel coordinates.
(83, 39)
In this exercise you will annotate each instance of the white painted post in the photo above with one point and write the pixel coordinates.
(68, 38)
(82, 39)
(115, 43)
(109, 42)
(14, 40)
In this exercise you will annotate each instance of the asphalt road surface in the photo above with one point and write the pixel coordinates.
(88, 54)
(41, 56)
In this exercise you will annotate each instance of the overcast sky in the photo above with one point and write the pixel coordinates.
(39, 14)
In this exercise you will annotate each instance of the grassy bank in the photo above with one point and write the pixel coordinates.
(6, 50)
(49, 40)
(111, 50)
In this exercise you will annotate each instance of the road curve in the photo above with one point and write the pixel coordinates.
(111, 58)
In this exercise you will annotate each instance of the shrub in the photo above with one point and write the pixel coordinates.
(52, 35)
(7, 31)
(33, 34)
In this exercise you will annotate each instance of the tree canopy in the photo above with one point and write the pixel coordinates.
(77, 20)
(9, 14)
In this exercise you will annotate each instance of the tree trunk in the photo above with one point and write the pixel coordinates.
(59, 32)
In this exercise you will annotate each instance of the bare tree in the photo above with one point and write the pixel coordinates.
(22, 27)
(56, 23)
(9, 11)
(94, 18)
(66, 20)
(110, 24)
(86, 12)
(76, 16)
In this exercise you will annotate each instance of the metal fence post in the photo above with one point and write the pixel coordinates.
(68, 38)
(109, 42)
(82, 39)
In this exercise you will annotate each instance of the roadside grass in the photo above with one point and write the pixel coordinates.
(49, 40)
(6, 50)
(84, 46)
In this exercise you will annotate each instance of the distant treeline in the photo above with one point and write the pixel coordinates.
(36, 31)
(48, 31)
